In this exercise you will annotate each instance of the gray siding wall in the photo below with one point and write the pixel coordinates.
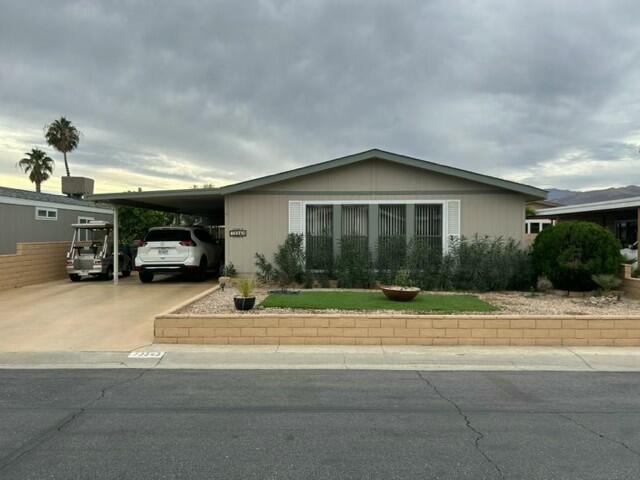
(264, 212)
(18, 224)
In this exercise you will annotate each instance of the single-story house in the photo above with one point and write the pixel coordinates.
(619, 216)
(369, 194)
(27, 217)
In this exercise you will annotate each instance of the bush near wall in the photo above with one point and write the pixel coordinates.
(478, 263)
(570, 253)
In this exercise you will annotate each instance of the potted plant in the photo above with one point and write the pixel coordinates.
(228, 271)
(245, 301)
(401, 291)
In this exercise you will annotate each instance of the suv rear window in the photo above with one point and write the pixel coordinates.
(167, 235)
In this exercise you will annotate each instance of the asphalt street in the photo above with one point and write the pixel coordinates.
(243, 424)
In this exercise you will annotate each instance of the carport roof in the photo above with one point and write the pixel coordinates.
(207, 199)
(190, 201)
(607, 205)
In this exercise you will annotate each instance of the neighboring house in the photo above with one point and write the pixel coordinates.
(369, 195)
(619, 216)
(27, 217)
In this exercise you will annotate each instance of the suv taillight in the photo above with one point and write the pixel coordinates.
(142, 243)
(188, 243)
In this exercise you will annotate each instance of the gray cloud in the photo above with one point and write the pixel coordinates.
(198, 92)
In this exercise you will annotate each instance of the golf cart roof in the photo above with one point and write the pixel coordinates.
(94, 225)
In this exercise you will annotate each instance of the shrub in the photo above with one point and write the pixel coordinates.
(391, 257)
(229, 270)
(403, 279)
(289, 260)
(481, 264)
(426, 266)
(308, 279)
(319, 253)
(490, 264)
(354, 268)
(264, 270)
(570, 253)
(544, 284)
(606, 282)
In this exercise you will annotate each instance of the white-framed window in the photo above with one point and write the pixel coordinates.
(533, 227)
(434, 220)
(85, 235)
(45, 213)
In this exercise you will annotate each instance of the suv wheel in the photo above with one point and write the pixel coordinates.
(74, 277)
(146, 277)
(201, 276)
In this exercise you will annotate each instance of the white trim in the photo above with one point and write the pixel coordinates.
(541, 221)
(46, 217)
(633, 202)
(59, 206)
(372, 202)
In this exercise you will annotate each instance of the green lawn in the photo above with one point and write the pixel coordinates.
(377, 301)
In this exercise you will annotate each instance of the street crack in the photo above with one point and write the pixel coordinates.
(478, 434)
(52, 431)
(598, 434)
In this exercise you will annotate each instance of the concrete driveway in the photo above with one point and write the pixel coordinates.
(89, 315)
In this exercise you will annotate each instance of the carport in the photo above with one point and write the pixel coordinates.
(206, 202)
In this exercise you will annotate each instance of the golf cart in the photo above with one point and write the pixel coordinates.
(91, 252)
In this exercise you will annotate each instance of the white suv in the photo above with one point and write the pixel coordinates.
(176, 250)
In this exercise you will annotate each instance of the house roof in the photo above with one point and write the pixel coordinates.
(532, 192)
(43, 197)
(621, 204)
(202, 200)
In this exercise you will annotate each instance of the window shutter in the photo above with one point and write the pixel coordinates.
(296, 217)
(453, 221)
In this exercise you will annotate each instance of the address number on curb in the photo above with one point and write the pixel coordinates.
(146, 354)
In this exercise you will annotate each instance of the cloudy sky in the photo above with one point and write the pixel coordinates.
(176, 93)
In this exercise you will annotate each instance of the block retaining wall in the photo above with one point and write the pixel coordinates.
(33, 263)
(337, 329)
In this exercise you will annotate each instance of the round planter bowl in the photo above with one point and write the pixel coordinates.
(244, 303)
(400, 294)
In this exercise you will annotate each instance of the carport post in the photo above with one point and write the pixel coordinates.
(116, 246)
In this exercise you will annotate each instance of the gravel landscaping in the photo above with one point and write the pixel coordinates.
(508, 303)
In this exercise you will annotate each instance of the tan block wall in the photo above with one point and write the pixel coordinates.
(33, 263)
(630, 286)
(306, 329)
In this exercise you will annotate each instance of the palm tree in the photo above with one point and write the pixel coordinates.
(38, 165)
(64, 137)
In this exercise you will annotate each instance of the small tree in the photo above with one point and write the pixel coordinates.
(134, 222)
(289, 260)
(38, 165)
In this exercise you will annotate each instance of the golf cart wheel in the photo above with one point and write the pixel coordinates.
(126, 273)
(109, 274)
(74, 277)
(146, 277)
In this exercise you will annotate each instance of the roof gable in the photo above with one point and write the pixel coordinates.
(529, 191)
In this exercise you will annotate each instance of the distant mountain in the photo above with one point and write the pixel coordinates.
(570, 197)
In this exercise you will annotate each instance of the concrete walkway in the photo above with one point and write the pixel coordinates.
(90, 315)
(574, 359)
